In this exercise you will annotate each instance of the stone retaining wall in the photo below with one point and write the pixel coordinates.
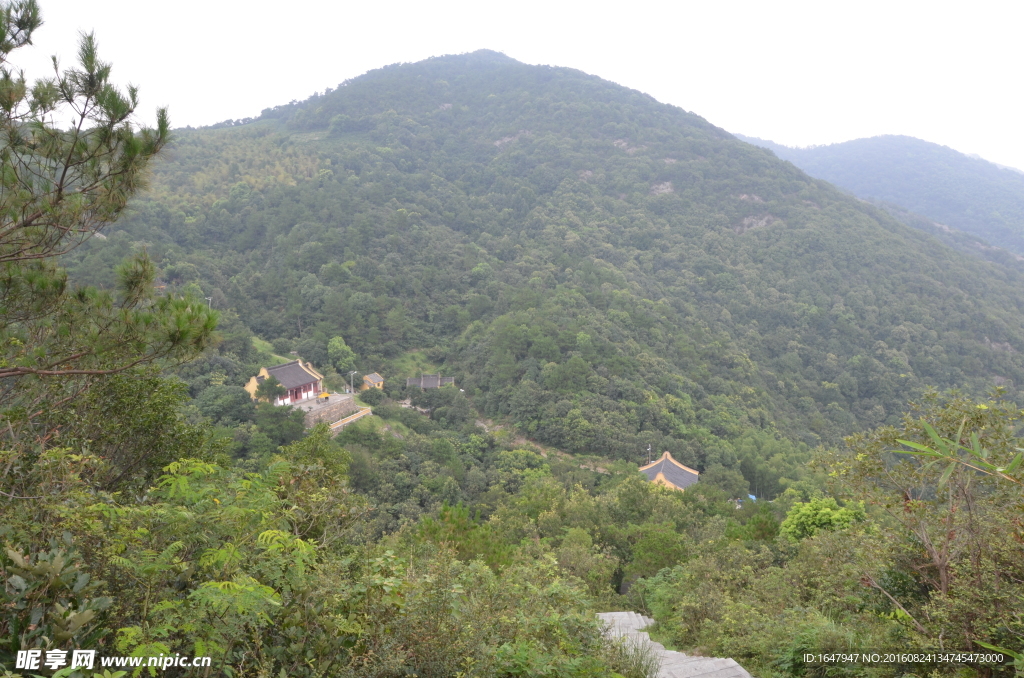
(332, 411)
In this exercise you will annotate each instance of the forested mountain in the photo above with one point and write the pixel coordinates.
(605, 277)
(603, 270)
(956, 190)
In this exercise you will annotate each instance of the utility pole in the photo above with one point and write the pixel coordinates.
(209, 301)
(648, 453)
(351, 386)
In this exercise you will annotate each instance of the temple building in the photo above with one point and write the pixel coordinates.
(670, 473)
(299, 379)
(430, 381)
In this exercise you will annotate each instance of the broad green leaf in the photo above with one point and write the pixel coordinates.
(939, 442)
(923, 450)
(946, 474)
(976, 448)
(1019, 657)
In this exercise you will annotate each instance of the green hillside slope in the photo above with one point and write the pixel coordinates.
(602, 270)
(957, 190)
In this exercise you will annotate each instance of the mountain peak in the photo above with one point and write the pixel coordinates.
(589, 262)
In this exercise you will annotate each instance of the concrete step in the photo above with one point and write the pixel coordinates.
(673, 658)
(620, 623)
(727, 672)
(704, 668)
(627, 625)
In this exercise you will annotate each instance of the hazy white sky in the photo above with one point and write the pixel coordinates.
(798, 73)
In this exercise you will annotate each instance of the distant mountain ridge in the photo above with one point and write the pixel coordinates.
(1003, 167)
(967, 193)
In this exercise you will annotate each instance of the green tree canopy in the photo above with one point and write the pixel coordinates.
(270, 390)
(59, 186)
(807, 519)
(342, 357)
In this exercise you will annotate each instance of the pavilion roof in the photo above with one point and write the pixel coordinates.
(293, 374)
(671, 472)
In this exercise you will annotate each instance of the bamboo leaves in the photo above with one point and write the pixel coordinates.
(954, 454)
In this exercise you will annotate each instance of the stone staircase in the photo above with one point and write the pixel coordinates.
(673, 664)
(342, 423)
